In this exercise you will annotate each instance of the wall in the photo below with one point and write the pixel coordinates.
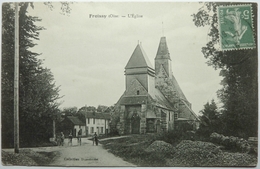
(151, 85)
(97, 126)
(77, 127)
(142, 78)
(134, 86)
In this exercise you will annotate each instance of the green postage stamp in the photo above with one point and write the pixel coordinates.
(236, 27)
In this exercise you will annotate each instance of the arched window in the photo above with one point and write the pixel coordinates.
(137, 92)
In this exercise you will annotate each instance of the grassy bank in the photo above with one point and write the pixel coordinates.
(132, 149)
(28, 157)
(183, 153)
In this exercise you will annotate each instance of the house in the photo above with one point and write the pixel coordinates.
(96, 122)
(153, 101)
(72, 124)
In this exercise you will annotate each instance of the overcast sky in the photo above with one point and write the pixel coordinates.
(87, 55)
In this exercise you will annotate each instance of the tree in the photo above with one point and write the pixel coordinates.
(239, 93)
(210, 119)
(37, 90)
(69, 111)
(115, 119)
(101, 108)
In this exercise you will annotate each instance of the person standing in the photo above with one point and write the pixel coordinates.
(62, 138)
(70, 139)
(79, 136)
(95, 139)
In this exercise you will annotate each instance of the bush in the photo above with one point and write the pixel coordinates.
(172, 137)
(231, 143)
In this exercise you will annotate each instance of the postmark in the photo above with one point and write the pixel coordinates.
(236, 27)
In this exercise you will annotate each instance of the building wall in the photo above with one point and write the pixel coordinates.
(134, 86)
(151, 85)
(96, 125)
(77, 127)
(142, 78)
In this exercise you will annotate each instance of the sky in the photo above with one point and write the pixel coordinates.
(87, 55)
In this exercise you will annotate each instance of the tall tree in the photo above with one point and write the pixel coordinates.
(239, 93)
(37, 90)
(210, 118)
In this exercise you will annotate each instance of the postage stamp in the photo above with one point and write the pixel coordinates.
(236, 27)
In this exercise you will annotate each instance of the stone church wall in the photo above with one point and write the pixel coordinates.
(142, 78)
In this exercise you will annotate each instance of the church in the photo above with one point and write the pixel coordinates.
(153, 101)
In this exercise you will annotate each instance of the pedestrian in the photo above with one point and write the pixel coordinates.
(62, 138)
(95, 139)
(70, 139)
(79, 136)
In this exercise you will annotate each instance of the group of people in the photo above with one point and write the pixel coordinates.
(61, 138)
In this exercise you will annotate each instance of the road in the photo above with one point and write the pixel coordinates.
(86, 155)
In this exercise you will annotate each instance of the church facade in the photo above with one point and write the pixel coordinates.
(153, 101)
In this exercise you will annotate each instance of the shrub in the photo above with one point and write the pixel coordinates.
(232, 143)
(172, 137)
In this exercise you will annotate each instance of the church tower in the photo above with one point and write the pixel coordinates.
(139, 74)
(163, 59)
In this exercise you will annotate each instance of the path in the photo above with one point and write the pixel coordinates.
(87, 155)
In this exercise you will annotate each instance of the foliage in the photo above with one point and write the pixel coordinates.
(37, 90)
(133, 150)
(234, 143)
(101, 108)
(167, 88)
(187, 153)
(65, 7)
(88, 108)
(172, 137)
(210, 119)
(115, 120)
(69, 111)
(239, 93)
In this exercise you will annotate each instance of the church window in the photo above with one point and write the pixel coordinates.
(175, 116)
(138, 92)
(169, 116)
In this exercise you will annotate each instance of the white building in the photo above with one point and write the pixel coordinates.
(97, 122)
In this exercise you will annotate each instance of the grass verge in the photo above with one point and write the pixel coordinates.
(133, 149)
(28, 158)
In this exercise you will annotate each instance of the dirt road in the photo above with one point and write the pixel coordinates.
(86, 155)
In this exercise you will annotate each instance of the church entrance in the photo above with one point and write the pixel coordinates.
(135, 123)
(150, 126)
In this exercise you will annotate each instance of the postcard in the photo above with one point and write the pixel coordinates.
(129, 84)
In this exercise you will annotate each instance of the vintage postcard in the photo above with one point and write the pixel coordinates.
(129, 84)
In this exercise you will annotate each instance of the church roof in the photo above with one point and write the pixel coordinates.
(133, 100)
(138, 59)
(191, 111)
(178, 89)
(160, 99)
(163, 51)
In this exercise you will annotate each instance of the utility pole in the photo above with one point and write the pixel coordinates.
(16, 80)
(54, 128)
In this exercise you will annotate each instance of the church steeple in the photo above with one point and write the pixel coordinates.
(163, 58)
(163, 52)
(138, 59)
(139, 72)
